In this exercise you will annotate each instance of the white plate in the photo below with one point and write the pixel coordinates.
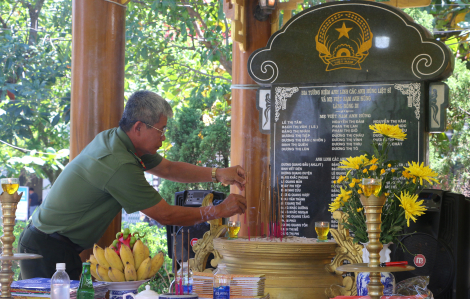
(125, 285)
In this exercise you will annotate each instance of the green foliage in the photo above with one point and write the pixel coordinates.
(450, 156)
(160, 283)
(34, 87)
(180, 51)
(451, 24)
(421, 17)
(198, 138)
(177, 48)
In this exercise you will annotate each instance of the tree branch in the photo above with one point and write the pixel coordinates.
(34, 16)
(140, 2)
(11, 12)
(4, 24)
(223, 59)
(199, 72)
(466, 112)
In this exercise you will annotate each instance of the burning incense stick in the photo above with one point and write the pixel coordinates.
(285, 210)
(282, 206)
(268, 208)
(180, 285)
(260, 207)
(246, 185)
(188, 262)
(248, 206)
(174, 261)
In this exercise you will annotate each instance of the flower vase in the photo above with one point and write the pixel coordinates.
(387, 278)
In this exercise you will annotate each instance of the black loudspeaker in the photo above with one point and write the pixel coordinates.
(189, 198)
(439, 245)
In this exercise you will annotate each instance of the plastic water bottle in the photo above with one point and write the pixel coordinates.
(187, 279)
(60, 283)
(221, 283)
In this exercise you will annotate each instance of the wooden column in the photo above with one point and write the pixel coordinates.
(247, 143)
(98, 39)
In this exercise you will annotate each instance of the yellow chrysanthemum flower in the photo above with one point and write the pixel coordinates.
(345, 195)
(388, 130)
(406, 174)
(354, 162)
(386, 194)
(393, 170)
(365, 170)
(421, 172)
(359, 191)
(412, 207)
(352, 184)
(341, 178)
(389, 165)
(359, 209)
(382, 171)
(334, 206)
(373, 167)
(374, 160)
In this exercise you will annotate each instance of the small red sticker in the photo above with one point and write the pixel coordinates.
(193, 241)
(419, 260)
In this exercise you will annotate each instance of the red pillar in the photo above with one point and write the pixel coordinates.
(98, 46)
(247, 142)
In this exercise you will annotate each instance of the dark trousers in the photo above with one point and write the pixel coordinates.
(52, 250)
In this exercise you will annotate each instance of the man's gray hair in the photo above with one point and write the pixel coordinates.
(145, 106)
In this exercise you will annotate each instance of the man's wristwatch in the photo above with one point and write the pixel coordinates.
(214, 178)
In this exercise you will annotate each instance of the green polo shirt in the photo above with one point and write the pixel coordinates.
(95, 186)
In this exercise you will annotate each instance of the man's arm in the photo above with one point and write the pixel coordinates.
(185, 216)
(187, 173)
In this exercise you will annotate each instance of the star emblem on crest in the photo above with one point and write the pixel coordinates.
(343, 31)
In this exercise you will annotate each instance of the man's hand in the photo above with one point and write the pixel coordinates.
(232, 205)
(234, 175)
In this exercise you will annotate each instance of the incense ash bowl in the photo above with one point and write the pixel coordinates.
(294, 268)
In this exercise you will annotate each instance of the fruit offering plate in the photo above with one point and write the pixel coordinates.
(125, 285)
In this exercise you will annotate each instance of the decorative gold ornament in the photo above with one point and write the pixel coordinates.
(204, 247)
(9, 203)
(373, 210)
(292, 269)
(347, 250)
(344, 40)
(235, 10)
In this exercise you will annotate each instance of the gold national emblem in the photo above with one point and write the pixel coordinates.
(344, 40)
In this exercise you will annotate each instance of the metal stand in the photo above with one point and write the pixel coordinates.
(9, 203)
(373, 210)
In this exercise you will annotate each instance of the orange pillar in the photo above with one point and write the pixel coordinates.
(247, 143)
(98, 46)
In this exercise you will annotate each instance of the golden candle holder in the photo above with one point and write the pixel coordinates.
(373, 210)
(9, 203)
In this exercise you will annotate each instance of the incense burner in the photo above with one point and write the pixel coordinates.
(292, 269)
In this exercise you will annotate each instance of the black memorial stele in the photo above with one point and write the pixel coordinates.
(328, 74)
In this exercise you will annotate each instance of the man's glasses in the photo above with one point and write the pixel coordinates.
(161, 131)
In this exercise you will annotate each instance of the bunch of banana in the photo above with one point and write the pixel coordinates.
(128, 265)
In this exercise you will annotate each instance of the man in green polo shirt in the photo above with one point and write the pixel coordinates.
(107, 176)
